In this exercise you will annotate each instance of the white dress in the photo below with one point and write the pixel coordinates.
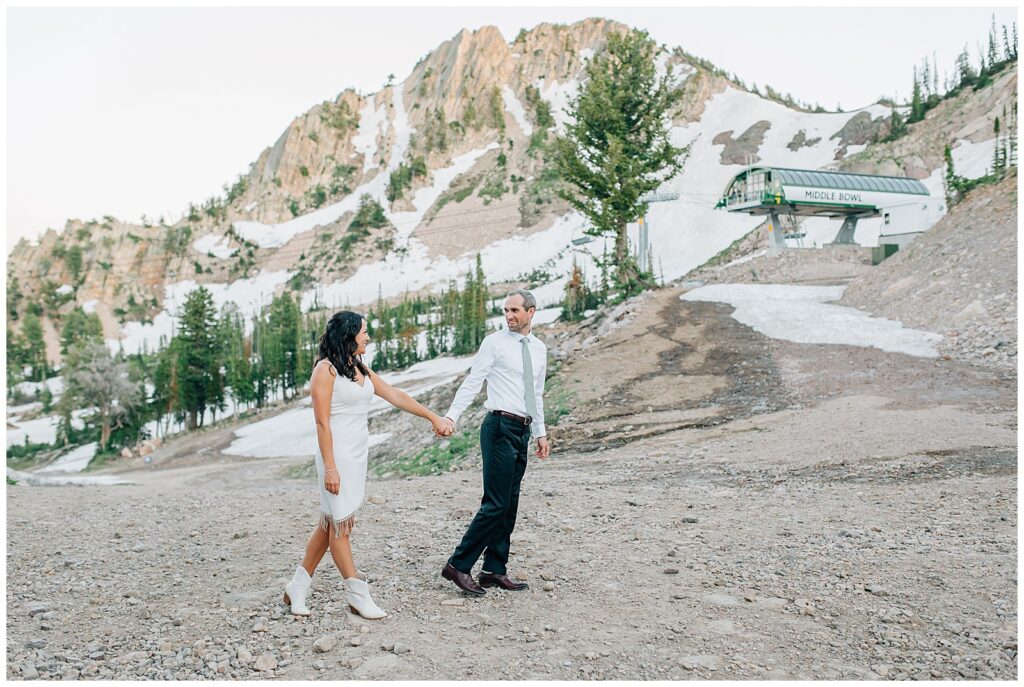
(350, 404)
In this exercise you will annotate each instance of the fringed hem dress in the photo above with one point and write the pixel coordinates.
(350, 405)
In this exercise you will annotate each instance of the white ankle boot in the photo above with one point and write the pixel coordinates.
(296, 590)
(357, 594)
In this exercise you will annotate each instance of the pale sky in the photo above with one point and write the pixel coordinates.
(131, 111)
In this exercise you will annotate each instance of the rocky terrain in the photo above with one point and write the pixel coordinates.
(717, 504)
(959, 279)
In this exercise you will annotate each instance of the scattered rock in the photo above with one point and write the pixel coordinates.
(37, 608)
(325, 644)
(708, 662)
(549, 586)
(265, 662)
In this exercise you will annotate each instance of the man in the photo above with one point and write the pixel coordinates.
(514, 363)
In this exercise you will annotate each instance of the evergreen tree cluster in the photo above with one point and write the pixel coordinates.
(926, 93)
(211, 359)
(453, 322)
(209, 362)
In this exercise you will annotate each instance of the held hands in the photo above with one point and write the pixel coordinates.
(443, 426)
(332, 480)
(543, 450)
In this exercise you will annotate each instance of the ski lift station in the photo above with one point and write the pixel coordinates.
(783, 194)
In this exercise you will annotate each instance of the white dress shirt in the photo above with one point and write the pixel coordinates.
(500, 362)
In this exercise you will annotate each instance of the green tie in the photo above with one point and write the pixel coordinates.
(531, 397)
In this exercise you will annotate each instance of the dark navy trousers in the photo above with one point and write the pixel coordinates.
(504, 444)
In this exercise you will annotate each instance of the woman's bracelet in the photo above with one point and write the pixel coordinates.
(331, 470)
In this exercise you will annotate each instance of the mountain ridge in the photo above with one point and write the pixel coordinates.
(457, 163)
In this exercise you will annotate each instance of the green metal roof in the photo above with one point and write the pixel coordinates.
(847, 181)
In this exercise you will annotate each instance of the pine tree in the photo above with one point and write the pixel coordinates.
(285, 322)
(165, 391)
(199, 360)
(993, 50)
(916, 104)
(231, 342)
(964, 70)
(35, 346)
(1011, 155)
(618, 147)
(998, 160)
(79, 327)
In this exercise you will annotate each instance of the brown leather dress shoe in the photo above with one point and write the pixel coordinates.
(488, 579)
(462, 580)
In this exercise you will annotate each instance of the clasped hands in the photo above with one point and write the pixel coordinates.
(443, 426)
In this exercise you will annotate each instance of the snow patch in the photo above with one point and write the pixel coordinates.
(35, 480)
(559, 94)
(406, 222)
(372, 121)
(804, 314)
(54, 384)
(72, 461)
(65, 289)
(515, 107)
(973, 160)
(42, 430)
(218, 246)
(401, 127)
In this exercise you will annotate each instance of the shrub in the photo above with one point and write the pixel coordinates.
(339, 116)
(369, 214)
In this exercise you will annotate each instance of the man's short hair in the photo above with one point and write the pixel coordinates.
(528, 300)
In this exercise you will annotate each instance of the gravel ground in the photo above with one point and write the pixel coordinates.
(832, 512)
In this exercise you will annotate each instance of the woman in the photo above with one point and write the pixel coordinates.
(342, 388)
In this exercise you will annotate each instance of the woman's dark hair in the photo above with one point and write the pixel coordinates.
(338, 344)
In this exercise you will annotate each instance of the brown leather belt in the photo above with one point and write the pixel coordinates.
(512, 416)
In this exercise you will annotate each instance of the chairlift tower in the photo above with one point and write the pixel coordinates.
(645, 225)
